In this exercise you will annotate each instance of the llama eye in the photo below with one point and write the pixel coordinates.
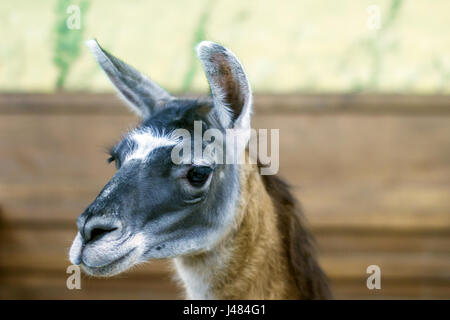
(197, 176)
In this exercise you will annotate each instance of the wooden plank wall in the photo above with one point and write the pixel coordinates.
(372, 173)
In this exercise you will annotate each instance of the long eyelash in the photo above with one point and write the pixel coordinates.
(112, 155)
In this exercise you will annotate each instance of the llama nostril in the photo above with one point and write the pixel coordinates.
(97, 228)
(97, 233)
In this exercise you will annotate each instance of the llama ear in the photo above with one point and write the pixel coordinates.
(230, 89)
(140, 93)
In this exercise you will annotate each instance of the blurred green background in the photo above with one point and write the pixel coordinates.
(285, 46)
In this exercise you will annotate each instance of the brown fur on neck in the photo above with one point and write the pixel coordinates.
(268, 255)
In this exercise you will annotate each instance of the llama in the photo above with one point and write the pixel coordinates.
(231, 232)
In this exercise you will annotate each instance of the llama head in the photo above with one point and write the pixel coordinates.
(154, 207)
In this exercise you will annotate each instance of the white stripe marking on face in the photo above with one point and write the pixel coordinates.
(146, 142)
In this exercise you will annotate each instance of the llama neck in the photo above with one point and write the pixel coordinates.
(251, 262)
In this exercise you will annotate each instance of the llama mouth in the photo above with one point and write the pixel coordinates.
(112, 268)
